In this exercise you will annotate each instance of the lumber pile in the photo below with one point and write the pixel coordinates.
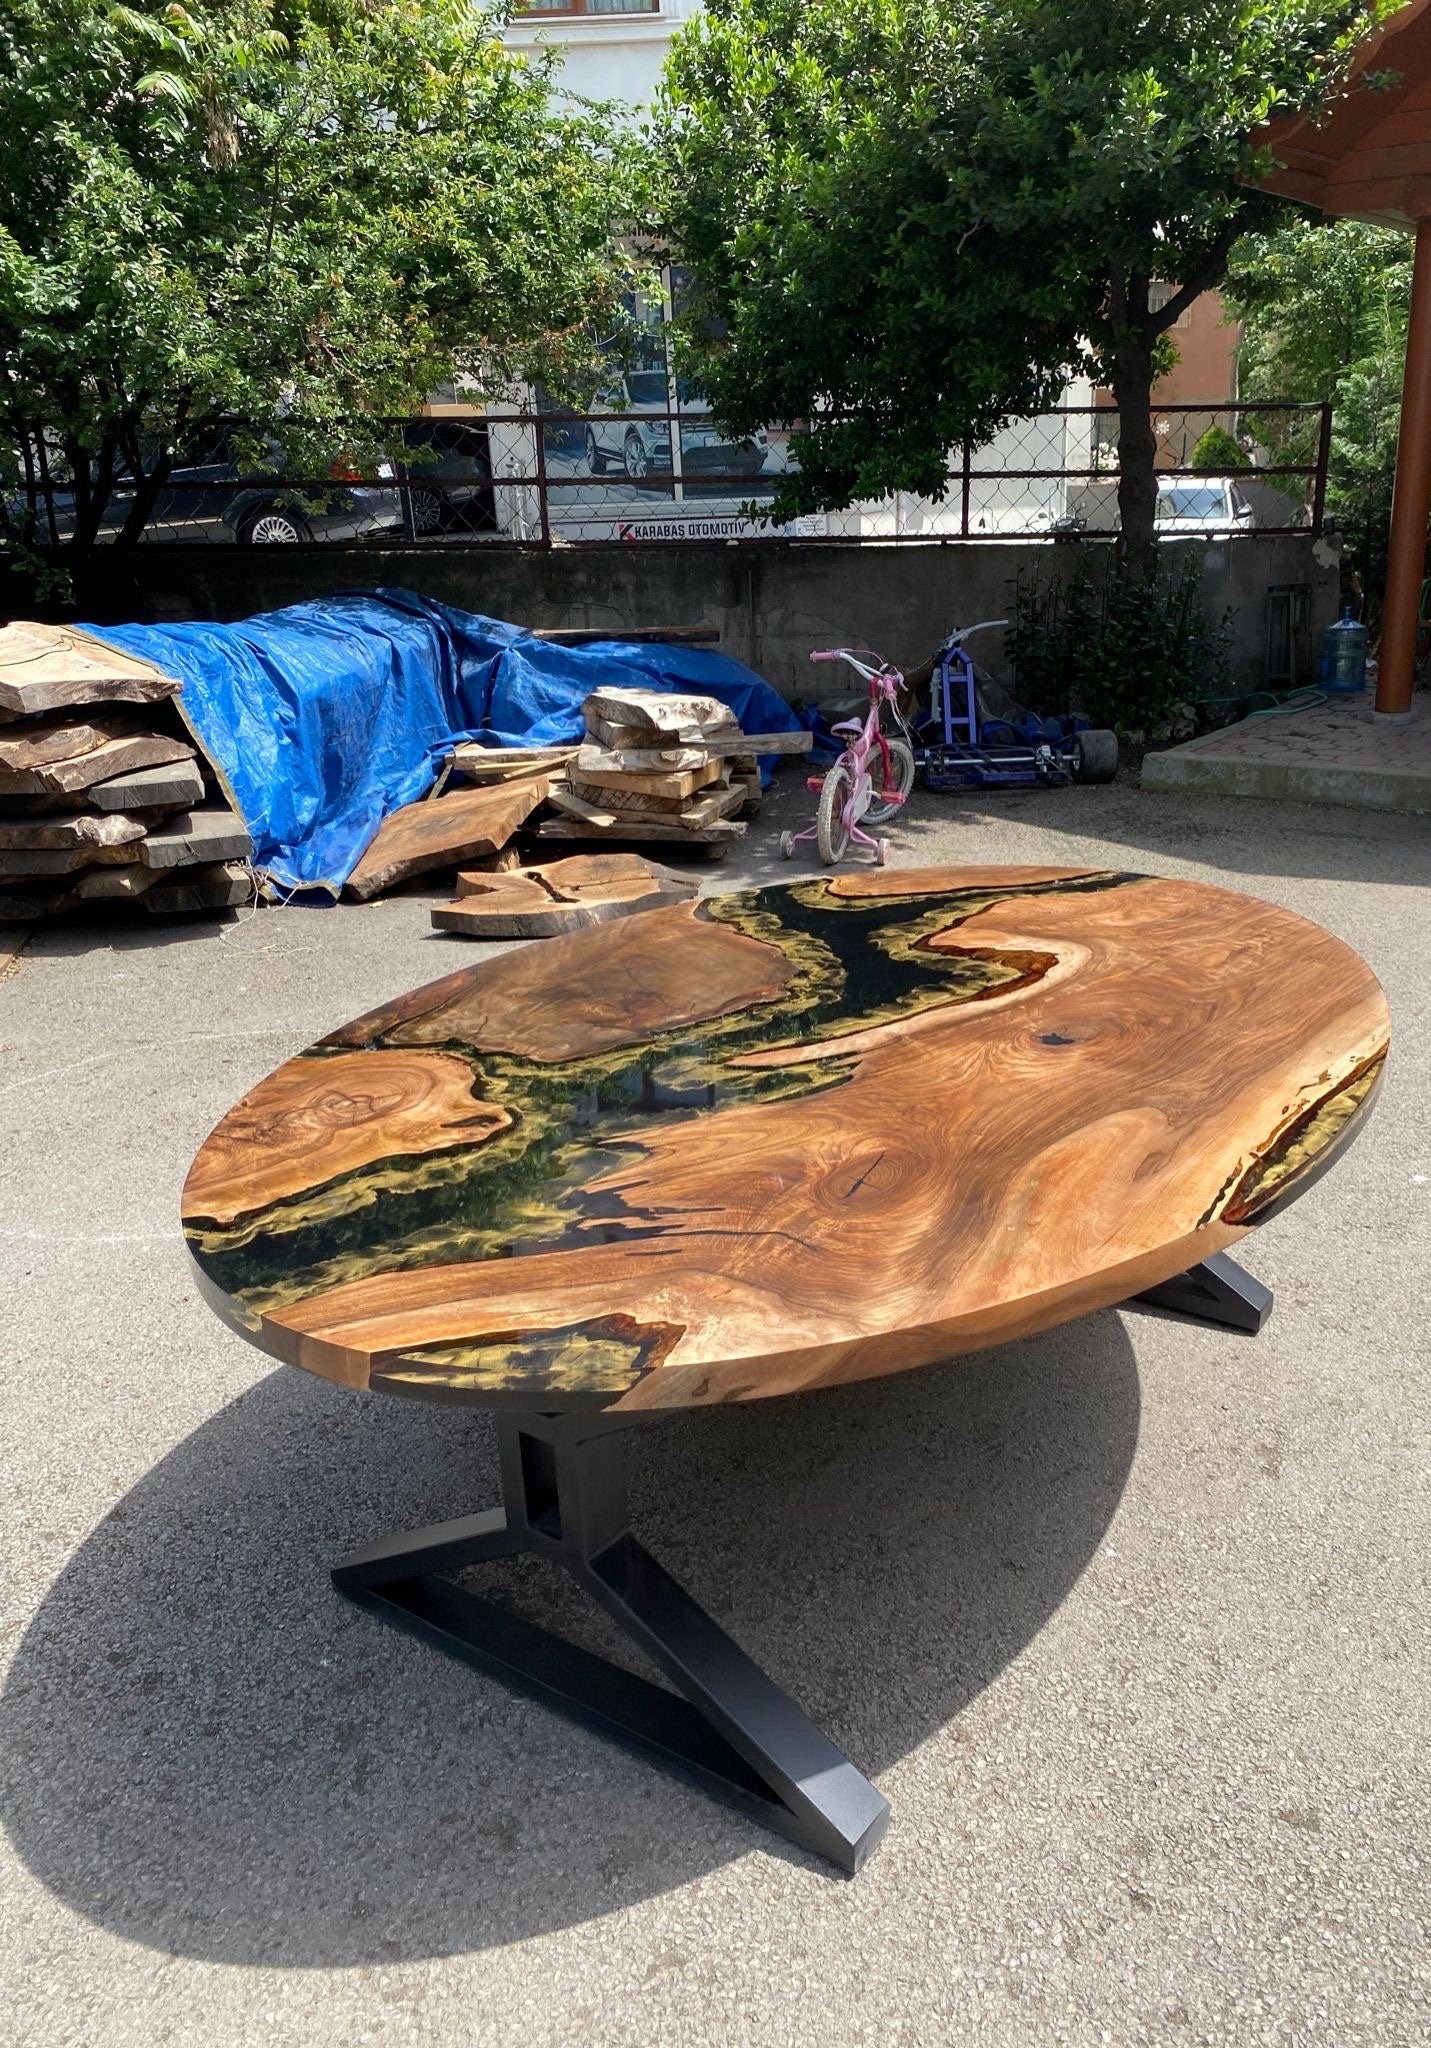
(560, 896)
(445, 831)
(102, 798)
(660, 766)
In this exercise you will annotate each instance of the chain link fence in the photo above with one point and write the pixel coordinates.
(643, 474)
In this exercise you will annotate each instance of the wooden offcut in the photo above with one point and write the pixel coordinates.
(442, 832)
(562, 896)
(474, 763)
(673, 785)
(194, 837)
(54, 831)
(664, 712)
(113, 757)
(592, 756)
(222, 886)
(622, 825)
(173, 787)
(46, 668)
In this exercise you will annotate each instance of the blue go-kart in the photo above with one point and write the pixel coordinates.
(959, 746)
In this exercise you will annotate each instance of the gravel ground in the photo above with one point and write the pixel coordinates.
(1128, 1622)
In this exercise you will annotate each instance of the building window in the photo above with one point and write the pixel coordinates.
(569, 8)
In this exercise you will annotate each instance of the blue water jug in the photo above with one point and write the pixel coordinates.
(1342, 668)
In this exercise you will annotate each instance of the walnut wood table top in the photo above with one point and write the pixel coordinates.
(784, 1139)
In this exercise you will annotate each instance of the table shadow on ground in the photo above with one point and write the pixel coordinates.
(207, 1751)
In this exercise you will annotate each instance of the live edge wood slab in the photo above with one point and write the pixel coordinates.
(785, 1139)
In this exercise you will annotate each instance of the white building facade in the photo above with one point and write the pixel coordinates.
(612, 49)
(595, 478)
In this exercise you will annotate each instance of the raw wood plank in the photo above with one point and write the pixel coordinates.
(671, 784)
(195, 837)
(56, 830)
(566, 800)
(615, 798)
(631, 827)
(671, 636)
(44, 668)
(108, 884)
(664, 760)
(564, 896)
(593, 757)
(30, 861)
(214, 888)
(175, 787)
(714, 804)
(29, 904)
(113, 758)
(38, 743)
(495, 764)
(661, 711)
(444, 832)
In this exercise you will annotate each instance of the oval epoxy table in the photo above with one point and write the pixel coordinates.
(753, 1145)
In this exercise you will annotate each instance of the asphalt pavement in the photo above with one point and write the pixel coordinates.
(1128, 1622)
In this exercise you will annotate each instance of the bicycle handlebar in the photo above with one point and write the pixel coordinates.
(964, 632)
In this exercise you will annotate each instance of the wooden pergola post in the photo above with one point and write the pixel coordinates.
(1411, 502)
(1367, 156)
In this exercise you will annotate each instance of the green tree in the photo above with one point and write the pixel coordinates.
(913, 218)
(1324, 307)
(1217, 452)
(306, 213)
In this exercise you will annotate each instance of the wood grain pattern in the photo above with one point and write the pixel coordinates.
(800, 1136)
(81, 771)
(174, 787)
(443, 831)
(56, 830)
(44, 668)
(562, 896)
(41, 741)
(318, 1118)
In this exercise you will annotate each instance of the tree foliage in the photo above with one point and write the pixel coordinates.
(301, 212)
(1217, 453)
(913, 218)
(1324, 308)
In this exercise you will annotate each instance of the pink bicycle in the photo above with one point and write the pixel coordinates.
(872, 777)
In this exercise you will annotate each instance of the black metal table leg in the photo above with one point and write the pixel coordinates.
(730, 1728)
(1217, 1290)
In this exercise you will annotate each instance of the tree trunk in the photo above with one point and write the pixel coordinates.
(1137, 452)
(146, 496)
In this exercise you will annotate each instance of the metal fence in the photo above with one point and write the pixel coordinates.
(658, 474)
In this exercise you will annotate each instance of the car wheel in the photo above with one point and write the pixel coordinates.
(595, 460)
(425, 510)
(634, 458)
(273, 526)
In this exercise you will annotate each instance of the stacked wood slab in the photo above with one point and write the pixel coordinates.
(102, 800)
(562, 896)
(660, 766)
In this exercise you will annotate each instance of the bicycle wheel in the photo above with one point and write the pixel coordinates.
(901, 781)
(832, 834)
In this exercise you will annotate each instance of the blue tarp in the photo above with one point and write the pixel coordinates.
(326, 716)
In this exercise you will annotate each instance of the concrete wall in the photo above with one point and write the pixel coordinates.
(771, 602)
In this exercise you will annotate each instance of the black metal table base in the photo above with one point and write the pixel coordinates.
(1217, 1290)
(730, 1728)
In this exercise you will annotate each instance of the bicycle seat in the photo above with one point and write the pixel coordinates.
(850, 725)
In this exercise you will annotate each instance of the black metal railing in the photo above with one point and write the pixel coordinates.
(644, 475)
